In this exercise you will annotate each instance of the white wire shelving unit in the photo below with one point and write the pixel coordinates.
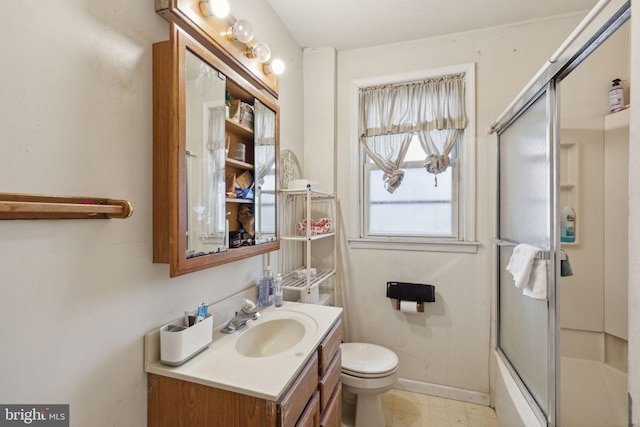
(304, 252)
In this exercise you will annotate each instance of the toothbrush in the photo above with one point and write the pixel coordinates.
(202, 312)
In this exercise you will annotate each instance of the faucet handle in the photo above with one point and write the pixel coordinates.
(248, 306)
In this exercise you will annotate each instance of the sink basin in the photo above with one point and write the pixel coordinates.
(270, 337)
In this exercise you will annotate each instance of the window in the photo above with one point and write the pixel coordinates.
(418, 207)
(410, 208)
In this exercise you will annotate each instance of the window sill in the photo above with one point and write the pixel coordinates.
(399, 244)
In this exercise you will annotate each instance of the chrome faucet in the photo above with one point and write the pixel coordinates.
(241, 318)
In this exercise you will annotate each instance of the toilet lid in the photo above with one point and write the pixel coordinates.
(363, 359)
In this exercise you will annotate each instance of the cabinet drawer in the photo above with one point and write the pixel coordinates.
(330, 380)
(295, 399)
(311, 415)
(329, 346)
(332, 417)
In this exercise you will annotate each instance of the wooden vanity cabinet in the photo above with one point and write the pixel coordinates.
(329, 385)
(313, 399)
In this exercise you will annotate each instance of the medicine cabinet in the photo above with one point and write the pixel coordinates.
(214, 165)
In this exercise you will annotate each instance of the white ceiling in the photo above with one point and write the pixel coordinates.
(350, 24)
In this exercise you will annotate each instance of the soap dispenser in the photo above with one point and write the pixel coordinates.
(265, 288)
(268, 274)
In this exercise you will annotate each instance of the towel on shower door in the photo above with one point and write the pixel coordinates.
(529, 273)
(521, 262)
(537, 286)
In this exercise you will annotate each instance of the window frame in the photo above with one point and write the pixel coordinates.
(463, 240)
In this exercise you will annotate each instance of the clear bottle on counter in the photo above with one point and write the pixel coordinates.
(278, 290)
(268, 275)
(265, 288)
(263, 292)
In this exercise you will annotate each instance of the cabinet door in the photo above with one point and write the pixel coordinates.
(329, 381)
(296, 398)
(329, 347)
(332, 416)
(311, 415)
(204, 156)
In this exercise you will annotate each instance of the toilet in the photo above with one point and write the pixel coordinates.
(368, 370)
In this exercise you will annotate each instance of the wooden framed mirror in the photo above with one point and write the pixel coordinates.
(213, 173)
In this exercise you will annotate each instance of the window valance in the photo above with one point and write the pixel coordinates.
(427, 105)
(390, 115)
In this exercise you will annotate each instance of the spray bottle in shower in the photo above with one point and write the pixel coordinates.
(567, 225)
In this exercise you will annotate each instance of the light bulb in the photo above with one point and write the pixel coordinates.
(276, 67)
(261, 52)
(242, 31)
(219, 8)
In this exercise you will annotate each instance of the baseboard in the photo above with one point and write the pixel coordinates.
(444, 391)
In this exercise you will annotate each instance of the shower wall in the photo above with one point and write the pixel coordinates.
(593, 302)
(616, 230)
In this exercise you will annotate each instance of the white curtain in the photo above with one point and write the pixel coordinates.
(264, 128)
(388, 151)
(391, 114)
(214, 180)
(437, 145)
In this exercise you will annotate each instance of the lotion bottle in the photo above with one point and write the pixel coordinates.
(616, 96)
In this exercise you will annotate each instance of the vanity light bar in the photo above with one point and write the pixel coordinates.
(242, 32)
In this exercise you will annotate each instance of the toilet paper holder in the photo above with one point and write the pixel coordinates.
(418, 292)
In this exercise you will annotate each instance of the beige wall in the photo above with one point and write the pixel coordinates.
(319, 116)
(593, 300)
(616, 227)
(581, 294)
(78, 296)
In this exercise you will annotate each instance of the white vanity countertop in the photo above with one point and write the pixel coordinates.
(267, 377)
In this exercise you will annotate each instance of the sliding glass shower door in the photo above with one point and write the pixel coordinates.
(526, 207)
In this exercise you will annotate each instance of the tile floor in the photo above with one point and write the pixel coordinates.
(406, 409)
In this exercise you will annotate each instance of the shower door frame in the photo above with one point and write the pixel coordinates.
(553, 329)
(606, 18)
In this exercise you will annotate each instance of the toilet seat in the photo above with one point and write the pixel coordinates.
(364, 360)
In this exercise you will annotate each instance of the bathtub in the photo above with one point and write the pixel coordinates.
(512, 409)
(593, 394)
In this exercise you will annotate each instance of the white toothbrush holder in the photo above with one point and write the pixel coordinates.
(179, 343)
